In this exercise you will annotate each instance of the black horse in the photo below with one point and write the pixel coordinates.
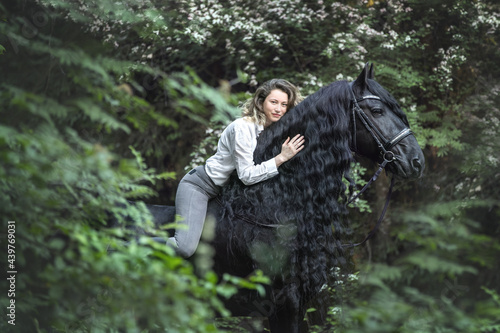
(293, 226)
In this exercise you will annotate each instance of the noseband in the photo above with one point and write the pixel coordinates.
(385, 145)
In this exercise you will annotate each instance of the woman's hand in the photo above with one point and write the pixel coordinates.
(289, 149)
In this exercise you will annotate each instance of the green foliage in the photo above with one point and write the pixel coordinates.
(75, 274)
(357, 172)
(427, 289)
(65, 181)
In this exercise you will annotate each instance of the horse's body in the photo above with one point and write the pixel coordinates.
(292, 226)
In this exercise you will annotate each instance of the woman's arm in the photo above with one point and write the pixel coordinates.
(244, 141)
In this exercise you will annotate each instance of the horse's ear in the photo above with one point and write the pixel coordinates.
(370, 72)
(364, 76)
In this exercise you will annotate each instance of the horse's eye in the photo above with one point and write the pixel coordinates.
(377, 112)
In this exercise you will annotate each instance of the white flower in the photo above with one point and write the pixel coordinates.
(492, 159)
(336, 310)
(388, 46)
(352, 277)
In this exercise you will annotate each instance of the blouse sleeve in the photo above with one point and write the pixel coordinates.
(244, 145)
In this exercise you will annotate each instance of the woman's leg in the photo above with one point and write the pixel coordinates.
(191, 201)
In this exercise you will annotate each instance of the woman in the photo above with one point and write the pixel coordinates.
(235, 152)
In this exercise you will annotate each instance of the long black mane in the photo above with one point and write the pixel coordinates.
(307, 197)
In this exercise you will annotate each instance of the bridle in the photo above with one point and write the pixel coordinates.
(385, 145)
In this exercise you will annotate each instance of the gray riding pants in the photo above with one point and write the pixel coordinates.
(191, 201)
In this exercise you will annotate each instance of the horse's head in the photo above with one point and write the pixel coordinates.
(381, 130)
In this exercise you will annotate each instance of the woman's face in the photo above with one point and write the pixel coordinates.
(275, 106)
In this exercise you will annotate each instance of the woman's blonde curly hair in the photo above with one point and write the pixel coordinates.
(253, 107)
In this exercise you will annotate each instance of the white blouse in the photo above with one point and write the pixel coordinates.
(235, 152)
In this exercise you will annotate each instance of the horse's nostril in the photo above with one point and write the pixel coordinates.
(416, 164)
